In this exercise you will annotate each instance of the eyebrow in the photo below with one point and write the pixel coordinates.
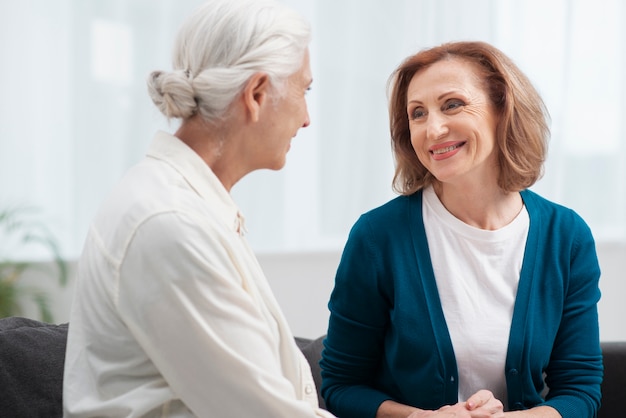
(438, 97)
(447, 93)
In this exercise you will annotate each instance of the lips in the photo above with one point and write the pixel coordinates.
(442, 151)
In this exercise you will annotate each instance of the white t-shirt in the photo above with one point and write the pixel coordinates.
(477, 272)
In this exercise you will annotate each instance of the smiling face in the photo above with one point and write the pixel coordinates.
(453, 124)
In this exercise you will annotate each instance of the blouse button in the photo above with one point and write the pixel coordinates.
(308, 389)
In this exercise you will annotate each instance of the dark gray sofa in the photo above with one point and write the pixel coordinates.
(32, 355)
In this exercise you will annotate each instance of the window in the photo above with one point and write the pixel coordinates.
(76, 113)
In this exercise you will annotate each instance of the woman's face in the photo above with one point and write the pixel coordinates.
(284, 116)
(453, 124)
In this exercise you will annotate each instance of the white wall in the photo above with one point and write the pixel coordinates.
(302, 283)
(612, 307)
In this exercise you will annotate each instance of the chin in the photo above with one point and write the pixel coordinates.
(278, 165)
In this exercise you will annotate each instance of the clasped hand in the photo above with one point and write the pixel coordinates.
(482, 404)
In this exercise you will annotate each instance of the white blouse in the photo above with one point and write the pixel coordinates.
(172, 314)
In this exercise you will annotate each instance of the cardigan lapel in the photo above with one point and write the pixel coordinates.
(433, 301)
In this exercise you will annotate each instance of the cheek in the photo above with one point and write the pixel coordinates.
(303, 107)
(418, 140)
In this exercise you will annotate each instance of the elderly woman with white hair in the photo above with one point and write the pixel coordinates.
(173, 315)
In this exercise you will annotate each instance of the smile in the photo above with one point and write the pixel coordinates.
(439, 151)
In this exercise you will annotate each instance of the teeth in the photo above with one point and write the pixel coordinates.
(446, 149)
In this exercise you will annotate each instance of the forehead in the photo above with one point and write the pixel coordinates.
(304, 72)
(448, 74)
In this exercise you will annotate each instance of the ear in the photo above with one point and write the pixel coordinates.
(255, 93)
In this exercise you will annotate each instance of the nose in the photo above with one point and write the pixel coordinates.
(436, 127)
(307, 119)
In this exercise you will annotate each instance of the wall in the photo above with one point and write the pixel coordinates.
(612, 306)
(302, 283)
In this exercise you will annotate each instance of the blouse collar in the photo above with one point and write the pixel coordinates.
(199, 176)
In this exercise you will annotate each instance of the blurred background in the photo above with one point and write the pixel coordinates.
(75, 114)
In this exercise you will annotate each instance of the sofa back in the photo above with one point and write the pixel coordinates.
(32, 354)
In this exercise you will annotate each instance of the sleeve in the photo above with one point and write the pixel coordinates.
(574, 374)
(358, 318)
(182, 295)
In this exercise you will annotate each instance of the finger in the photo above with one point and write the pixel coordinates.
(480, 398)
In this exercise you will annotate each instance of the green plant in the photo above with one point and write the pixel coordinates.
(19, 232)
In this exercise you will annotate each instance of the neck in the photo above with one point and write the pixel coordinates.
(216, 146)
(485, 208)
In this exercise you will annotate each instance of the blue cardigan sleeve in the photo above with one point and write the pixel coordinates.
(574, 373)
(387, 337)
(353, 347)
(554, 336)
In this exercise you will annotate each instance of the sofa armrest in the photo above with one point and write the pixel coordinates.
(312, 350)
(31, 367)
(614, 383)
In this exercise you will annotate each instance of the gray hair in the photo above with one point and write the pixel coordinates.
(220, 47)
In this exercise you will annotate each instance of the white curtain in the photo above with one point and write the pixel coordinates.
(75, 113)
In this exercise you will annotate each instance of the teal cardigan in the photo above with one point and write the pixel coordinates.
(387, 335)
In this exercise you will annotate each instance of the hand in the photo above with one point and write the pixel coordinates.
(482, 404)
(458, 410)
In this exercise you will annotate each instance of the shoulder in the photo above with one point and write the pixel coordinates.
(393, 214)
(386, 228)
(550, 214)
(557, 228)
(155, 207)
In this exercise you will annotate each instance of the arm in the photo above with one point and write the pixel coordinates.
(385, 339)
(574, 373)
(354, 342)
(537, 412)
(481, 404)
(183, 294)
(392, 409)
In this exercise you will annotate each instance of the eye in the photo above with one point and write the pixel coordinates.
(417, 113)
(452, 105)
